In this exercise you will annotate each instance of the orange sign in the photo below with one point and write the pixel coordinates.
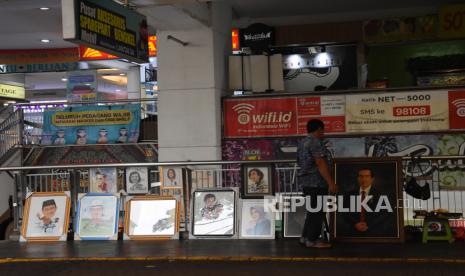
(87, 53)
(235, 40)
(39, 56)
(152, 46)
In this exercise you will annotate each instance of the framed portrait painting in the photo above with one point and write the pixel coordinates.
(151, 217)
(370, 191)
(213, 213)
(257, 180)
(256, 222)
(97, 217)
(103, 180)
(137, 180)
(46, 217)
(171, 177)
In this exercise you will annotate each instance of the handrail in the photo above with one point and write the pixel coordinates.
(148, 164)
(85, 102)
(195, 163)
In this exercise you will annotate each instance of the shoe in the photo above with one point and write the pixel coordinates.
(317, 244)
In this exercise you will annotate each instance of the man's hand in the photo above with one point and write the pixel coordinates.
(333, 188)
(361, 226)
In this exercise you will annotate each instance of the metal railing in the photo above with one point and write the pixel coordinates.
(11, 133)
(436, 171)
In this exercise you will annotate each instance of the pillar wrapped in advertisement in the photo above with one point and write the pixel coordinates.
(92, 125)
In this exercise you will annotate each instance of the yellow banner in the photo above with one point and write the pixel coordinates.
(12, 91)
(452, 21)
(92, 118)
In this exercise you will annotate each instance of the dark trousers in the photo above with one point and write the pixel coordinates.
(314, 220)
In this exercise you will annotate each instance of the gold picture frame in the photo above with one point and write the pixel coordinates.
(174, 182)
(161, 224)
(53, 207)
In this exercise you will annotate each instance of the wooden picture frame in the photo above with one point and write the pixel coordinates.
(213, 213)
(46, 217)
(146, 215)
(171, 177)
(257, 180)
(255, 222)
(381, 181)
(97, 217)
(137, 180)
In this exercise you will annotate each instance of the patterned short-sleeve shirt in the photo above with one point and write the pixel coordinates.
(308, 149)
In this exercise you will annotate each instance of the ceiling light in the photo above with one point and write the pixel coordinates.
(64, 79)
(44, 8)
(45, 40)
(122, 74)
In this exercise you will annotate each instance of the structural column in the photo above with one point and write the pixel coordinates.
(192, 79)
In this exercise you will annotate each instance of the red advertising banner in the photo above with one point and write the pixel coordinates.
(273, 117)
(260, 117)
(457, 109)
(39, 56)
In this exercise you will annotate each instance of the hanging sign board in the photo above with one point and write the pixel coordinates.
(12, 91)
(106, 26)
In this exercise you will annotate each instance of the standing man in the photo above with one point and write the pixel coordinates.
(314, 178)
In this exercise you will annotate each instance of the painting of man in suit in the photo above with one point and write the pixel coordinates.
(369, 193)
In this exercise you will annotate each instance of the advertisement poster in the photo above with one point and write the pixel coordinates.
(457, 109)
(329, 109)
(397, 112)
(274, 117)
(260, 117)
(92, 125)
(82, 85)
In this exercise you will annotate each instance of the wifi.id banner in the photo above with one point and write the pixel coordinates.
(274, 117)
(457, 109)
(92, 125)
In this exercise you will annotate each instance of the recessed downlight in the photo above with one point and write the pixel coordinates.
(44, 8)
(44, 40)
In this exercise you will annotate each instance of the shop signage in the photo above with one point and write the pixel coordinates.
(235, 40)
(36, 68)
(12, 91)
(36, 56)
(457, 109)
(273, 117)
(86, 53)
(106, 26)
(400, 29)
(257, 36)
(152, 46)
(452, 21)
(397, 112)
(92, 125)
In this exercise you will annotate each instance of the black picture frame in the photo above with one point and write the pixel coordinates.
(251, 190)
(200, 194)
